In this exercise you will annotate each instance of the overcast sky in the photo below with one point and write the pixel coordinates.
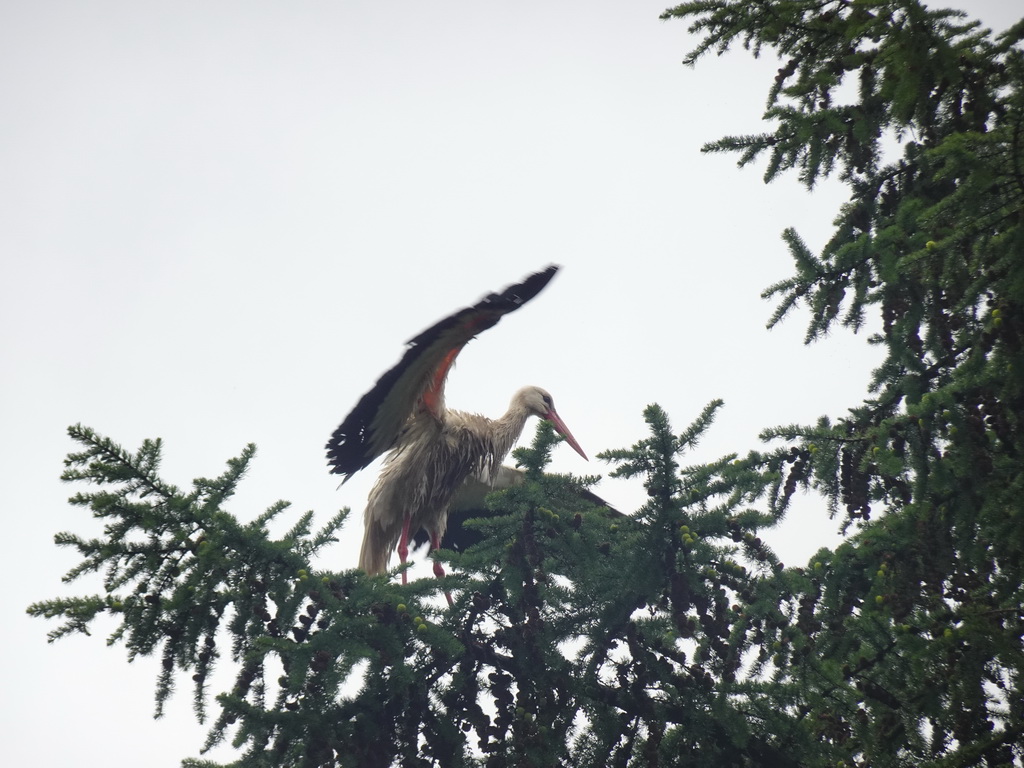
(220, 221)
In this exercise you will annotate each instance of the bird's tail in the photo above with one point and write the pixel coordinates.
(376, 549)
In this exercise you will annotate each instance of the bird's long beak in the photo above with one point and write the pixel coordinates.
(563, 430)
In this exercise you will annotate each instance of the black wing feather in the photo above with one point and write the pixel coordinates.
(365, 434)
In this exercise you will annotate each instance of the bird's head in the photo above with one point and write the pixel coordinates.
(539, 402)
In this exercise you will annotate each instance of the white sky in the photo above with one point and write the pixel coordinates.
(219, 222)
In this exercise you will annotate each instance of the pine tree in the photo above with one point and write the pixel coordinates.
(909, 632)
(673, 635)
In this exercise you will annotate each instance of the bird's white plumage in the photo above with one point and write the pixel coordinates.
(431, 461)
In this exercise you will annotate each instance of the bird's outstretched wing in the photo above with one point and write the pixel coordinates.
(417, 382)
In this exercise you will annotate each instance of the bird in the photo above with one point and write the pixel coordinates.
(431, 449)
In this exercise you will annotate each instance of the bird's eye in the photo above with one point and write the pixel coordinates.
(547, 400)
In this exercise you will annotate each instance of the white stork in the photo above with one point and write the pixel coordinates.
(433, 449)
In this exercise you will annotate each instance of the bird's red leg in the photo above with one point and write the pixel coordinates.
(403, 546)
(435, 543)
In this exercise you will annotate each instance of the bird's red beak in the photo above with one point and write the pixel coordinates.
(563, 430)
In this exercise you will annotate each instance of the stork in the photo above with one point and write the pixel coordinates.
(432, 450)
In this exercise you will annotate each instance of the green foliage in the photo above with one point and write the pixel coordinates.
(919, 615)
(342, 669)
(177, 567)
(674, 636)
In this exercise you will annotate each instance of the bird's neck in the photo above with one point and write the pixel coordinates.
(507, 429)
